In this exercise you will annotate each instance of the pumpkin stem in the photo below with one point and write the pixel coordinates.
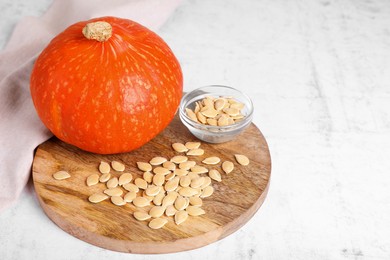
(99, 31)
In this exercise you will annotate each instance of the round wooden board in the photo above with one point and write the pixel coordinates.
(235, 199)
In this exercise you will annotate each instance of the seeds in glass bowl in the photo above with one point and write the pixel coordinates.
(221, 111)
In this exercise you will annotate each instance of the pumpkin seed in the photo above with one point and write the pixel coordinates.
(61, 175)
(117, 166)
(237, 106)
(227, 167)
(92, 179)
(141, 202)
(199, 169)
(211, 160)
(187, 191)
(158, 160)
(170, 176)
(180, 203)
(169, 165)
(193, 175)
(104, 167)
(195, 152)
(181, 216)
(201, 117)
(207, 182)
(210, 112)
(131, 187)
(197, 182)
(215, 175)
(242, 159)
(191, 115)
(156, 211)
(140, 215)
(179, 159)
(143, 166)
(125, 178)
(212, 121)
(169, 199)
(179, 147)
(157, 200)
(150, 198)
(157, 223)
(186, 165)
(231, 111)
(208, 102)
(185, 181)
(207, 192)
(130, 196)
(195, 211)
(223, 121)
(196, 201)
(113, 192)
(153, 190)
(180, 172)
(172, 184)
(170, 211)
(148, 177)
(192, 145)
(113, 183)
(161, 170)
(105, 177)
(219, 103)
(117, 200)
(141, 183)
(97, 197)
(158, 179)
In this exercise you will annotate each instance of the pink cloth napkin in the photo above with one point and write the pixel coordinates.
(21, 131)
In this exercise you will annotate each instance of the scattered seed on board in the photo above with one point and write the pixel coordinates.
(143, 166)
(130, 196)
(104, 167)
(161, 170)
(195, 152)
(196, 201)
(141, 183)
(131, 187)
(227, 167)
(105, 177)
(92, 179)
(157, 211)
(157, 223)
(125, 178)
(112, 183)
(207, 192)
(188, 191)
(207, 182)
(172, 184)
(61, 175)
(181, 216)
(141, 215)
(148, 177)
(153, 190)
(97, 197)
(187, 165)
(195, 211)
(192, 145)
(211, 160)
(157, 160)
(242, 159)
(215, 175)
(199, 169)
(141, 202)
(169, 199)
(157, 200)
(118, 200)
(185, 181)
(179, 159)
(158, 179)
(117, 166)
(170, 176)
(180, 203)
(169, 165)
(179, 147)
(113, 192)
(197, 182)
(170, 211)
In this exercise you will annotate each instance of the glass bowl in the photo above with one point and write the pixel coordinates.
(209, 133)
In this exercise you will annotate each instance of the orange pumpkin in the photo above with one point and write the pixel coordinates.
(107, 85)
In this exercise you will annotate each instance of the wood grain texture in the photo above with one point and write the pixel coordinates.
(235, 200)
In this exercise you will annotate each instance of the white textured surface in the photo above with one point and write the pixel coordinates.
(319, 75)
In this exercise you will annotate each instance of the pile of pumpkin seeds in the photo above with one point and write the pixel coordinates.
(220, 111)
(175, 187)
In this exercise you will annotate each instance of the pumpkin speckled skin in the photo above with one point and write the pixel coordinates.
(107, 97)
